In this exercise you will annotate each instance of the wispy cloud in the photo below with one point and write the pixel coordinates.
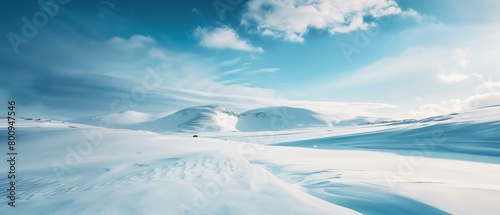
(233, 71)
(229, 62)
(265, 70)
(223, 38)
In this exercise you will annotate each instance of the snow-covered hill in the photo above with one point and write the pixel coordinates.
(279, 118)
(200, 118)
(214, 118)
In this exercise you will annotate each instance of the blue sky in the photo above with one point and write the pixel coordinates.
(399, 59)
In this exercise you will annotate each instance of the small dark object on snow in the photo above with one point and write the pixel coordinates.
(195, 135)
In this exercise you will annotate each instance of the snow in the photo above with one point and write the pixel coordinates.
(136, 172)
(439, 165)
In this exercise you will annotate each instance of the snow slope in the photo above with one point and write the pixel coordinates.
(279, 118)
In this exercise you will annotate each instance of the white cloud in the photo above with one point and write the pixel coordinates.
(223, 38)
(457, 105)
(290, 20)
(451, 78)
(410, 13)
(487, 93)
(265, 70)
(134, 42)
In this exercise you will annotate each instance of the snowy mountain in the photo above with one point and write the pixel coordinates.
(193, 119)
(121, 118)
(279, 118)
